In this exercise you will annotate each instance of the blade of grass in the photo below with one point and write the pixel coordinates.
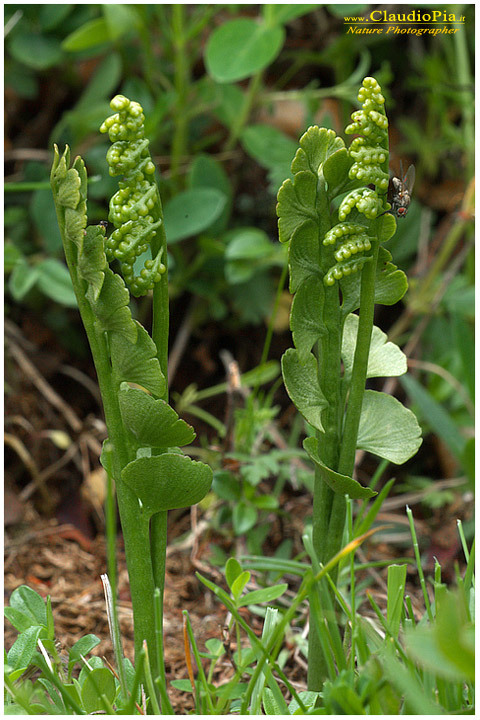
(421, 576)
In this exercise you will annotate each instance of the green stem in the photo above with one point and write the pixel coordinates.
(328, 358)
(242, 118)
(359, 372)
(160, 330)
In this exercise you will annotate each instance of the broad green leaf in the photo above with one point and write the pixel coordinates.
(240, 48)
(152, 422)
(232, 570)
(205, 171)
(23, 649)
(341, 484)
(316, 145)
(268, 594)
(36, 51)
(192, 211)
(167, 481)
(303, 254)
(387, 428)
(137, 362)
(93, 32)
(249, 250)
(296, 204)
(302, 386)
(271, 148)
(99, 681)
(55, 282)
(111, 307)
(437, 417)
(385, 358)
(306, 318)
(30, 603)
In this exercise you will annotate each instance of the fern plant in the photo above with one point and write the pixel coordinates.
(142, 454)
(335, 224)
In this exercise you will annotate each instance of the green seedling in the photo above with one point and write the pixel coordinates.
(142, 454)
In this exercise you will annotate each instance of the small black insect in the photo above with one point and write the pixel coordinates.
(402, 191)
(103, 223)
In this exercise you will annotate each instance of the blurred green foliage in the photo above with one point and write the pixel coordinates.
(214, 119)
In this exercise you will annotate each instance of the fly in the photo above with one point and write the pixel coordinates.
(402, 191)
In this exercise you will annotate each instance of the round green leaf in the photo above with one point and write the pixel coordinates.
(167, 481)
(306, 317)
(192, 211)
(152, 422)
(241, 48)
(137, 362)
(302, 386)
(385, 359)
(36, 51)
(387, 428)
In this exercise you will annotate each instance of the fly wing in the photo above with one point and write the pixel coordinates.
(409, 179)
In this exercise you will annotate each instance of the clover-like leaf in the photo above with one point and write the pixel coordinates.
(385, 359)
(136, 362)
(302, 386)
(296, 203)
(167, 481)
(111, 307)
(303, 254)
(316, 145)
(306, 319)
(152, 422)
(341, 484)
(387, 428)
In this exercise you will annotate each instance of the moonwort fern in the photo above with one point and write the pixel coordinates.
(335, 225)
(142, 454)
